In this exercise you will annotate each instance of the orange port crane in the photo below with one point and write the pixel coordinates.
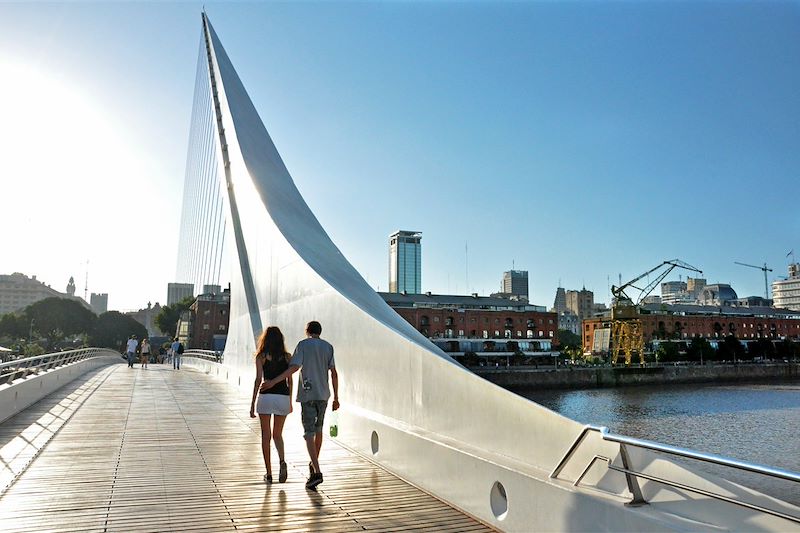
(626, 326)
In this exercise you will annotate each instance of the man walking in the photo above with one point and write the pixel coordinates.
(131, 350)
(314, 358)
(177, 352)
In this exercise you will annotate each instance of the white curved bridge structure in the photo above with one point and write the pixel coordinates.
(405, 404)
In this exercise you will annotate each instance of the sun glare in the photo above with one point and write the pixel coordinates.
(67, 170)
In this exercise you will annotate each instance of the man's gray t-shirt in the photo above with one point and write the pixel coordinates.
(314, 356)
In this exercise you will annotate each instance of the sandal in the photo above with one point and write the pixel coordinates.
(268, 479)
(284, 473)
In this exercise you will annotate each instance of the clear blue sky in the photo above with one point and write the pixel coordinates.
(578, 140)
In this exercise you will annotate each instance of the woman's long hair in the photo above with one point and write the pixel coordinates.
(271, 343)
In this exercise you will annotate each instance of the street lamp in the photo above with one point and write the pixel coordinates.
(30, 331)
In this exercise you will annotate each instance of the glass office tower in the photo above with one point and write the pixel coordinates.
(405, 262)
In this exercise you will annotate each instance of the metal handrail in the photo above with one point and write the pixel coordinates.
(208, 355)
(20, 368)
(702, 456)
(629, 473)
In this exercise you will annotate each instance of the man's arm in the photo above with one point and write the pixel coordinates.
(335, 383)
(285, 374)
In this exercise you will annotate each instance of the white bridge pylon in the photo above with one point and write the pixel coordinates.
(405, 404)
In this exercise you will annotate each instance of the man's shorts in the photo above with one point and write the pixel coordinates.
(312, 413)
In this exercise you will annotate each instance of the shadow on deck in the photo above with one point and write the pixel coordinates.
(160, 450)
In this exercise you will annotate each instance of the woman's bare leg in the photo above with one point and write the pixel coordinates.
(266, 433)
(277, 434)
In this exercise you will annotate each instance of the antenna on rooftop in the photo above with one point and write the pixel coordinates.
(466, 265)
(86, 282)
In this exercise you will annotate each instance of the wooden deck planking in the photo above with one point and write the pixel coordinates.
(164, 450)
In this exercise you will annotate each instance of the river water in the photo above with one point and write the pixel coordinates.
(753, 422)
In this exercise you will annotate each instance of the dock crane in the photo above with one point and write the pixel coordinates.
(626, 327)
(765, 269)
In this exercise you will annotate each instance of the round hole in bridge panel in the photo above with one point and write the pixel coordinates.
(374, 442)
(498, 500)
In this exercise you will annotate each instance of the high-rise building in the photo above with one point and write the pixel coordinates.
(405, 262)
(99, 302)
(179, 291)
(515, 283)
(786, 292)
(695, 286)
(560, 303)
(673, 291)
(581, 303)
(212, 289)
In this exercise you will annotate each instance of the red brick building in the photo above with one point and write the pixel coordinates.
(210, 314)
(767, 323)
(443, 316)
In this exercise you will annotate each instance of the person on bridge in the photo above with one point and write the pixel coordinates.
(272, 359)
(144, 352)
(131, 350)
(177, 353)
(314, 358)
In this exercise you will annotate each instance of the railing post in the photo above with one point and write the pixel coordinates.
(633, 482)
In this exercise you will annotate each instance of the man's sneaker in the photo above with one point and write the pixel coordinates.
(314, 480)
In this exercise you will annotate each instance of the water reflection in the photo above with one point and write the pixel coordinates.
(756, 423)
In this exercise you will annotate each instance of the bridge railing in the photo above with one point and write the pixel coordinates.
(20, 368)
(207, 355)
(632, 476)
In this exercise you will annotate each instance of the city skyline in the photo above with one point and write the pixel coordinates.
(514, 132)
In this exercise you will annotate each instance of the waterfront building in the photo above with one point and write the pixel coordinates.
(684, 322)
(570, 322)
(652, 299)
(477, 317)
(786, 292)
(177, 292)
(18, 291)
(405, 262)
(581, 303)
(210, 314)
(99, 302)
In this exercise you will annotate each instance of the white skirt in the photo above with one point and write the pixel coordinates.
(273, 404)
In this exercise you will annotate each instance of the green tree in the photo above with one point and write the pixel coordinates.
(730, 349)
(167, 319)
(700, 350)
(668, 352)
(57, 318)
(13, 327)
(761, 348)
(786, 349)
(567, 339)
(112, 329)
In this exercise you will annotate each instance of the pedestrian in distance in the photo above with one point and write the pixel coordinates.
(177, 352)
(313, 357)
(144, 352)
(130, 349)
(272, 359)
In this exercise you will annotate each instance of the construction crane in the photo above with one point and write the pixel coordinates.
(626, 327)
(765, 269)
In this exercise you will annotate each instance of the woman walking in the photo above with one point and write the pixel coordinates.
(271, 360)
(144, 352)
